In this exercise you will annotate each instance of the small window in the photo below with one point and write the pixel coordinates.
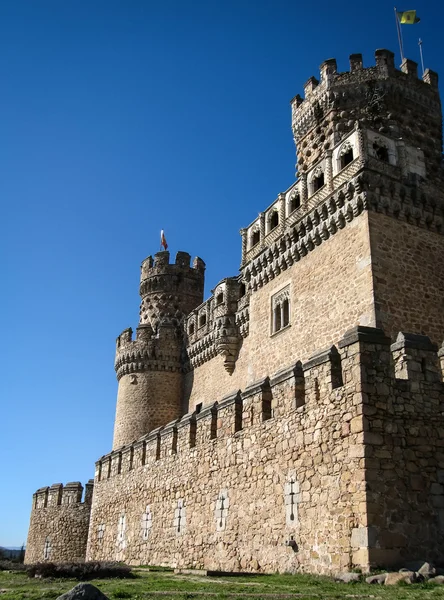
(280, 314)
(255, 237)
(381, 152)
(318, 181)
(219, 299)
(274, 220)
(242, 290)
(285, 313)
(198, 408)
(191, 329)
(295, 202)
(202, 320)
(47, 549)
(346, 158)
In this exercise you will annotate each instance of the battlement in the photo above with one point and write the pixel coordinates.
(383, 68)
(63, 495)
(408, 370)
(161, 264)
(399, 108)
(170, 291)
(149, 351)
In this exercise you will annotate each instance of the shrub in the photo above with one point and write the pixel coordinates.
(11, 565)
(81, 571)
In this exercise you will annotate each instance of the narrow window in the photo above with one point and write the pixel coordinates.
(219, 299)
(280, 310)
(180, 517)
(381, 152)
(292, 499)
(221, 510)
(146, 523)
(277, 317)
(274, 220)
(255, 237)
(242, 290)
(198, 408)
(346, 158)
(285, 312)
(100, 532)
(318, 181)
(47, 549)
(202, 320)
(131, 458)
(121, 532)
(191, 329)
(295, 202)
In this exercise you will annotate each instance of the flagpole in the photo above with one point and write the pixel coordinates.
(420, 53)
(400, 40)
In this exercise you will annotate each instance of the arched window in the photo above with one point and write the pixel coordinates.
(202, 320)
(345, 155)
(381, 151)
(295, 202)
(280, 305)
(191, 329)
(255, 237)
(317, 180)
(274, 220)
(219, 299)
(242, 290)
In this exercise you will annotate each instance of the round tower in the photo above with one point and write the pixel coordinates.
(149, 368)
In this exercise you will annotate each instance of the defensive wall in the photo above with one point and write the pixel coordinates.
(58, 530)
(334, 463)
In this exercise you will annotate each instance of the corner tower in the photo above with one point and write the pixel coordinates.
(149, 368)
(384, 125)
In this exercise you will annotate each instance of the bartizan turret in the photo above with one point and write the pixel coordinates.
(149, 368)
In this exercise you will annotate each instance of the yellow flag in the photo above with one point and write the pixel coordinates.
(408, 17)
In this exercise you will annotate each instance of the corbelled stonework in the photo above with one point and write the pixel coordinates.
(284, 423)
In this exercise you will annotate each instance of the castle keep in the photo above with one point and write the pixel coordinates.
(293, 420)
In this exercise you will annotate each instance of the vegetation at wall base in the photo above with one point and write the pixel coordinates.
(85, 571)
(161, 585)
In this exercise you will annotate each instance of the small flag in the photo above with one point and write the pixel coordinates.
(408, 17)
(163, 241)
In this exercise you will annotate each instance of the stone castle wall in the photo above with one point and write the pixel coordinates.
(408, 270)
(281, 476)
(59, 525)
(331, 290)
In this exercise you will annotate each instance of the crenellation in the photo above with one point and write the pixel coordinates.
(55, 494)
(356, 63)
(168, 439)
(71, 493)
(410, 67)
(59, 524)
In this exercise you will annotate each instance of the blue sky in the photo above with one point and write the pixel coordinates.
(118, 119)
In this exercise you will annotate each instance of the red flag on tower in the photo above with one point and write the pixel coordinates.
(163, 241)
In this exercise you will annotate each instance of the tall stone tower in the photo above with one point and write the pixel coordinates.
(149, 368)
(387, 125)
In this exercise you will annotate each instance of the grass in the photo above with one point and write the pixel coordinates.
(161, 585)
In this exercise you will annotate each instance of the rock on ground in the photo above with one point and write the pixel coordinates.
(379, 578)
(438, 580)
(83, 591)
(394, 578)
(347, 577)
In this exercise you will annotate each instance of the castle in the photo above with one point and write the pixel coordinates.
(293, 420)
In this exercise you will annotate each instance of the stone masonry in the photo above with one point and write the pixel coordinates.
(285, 424)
